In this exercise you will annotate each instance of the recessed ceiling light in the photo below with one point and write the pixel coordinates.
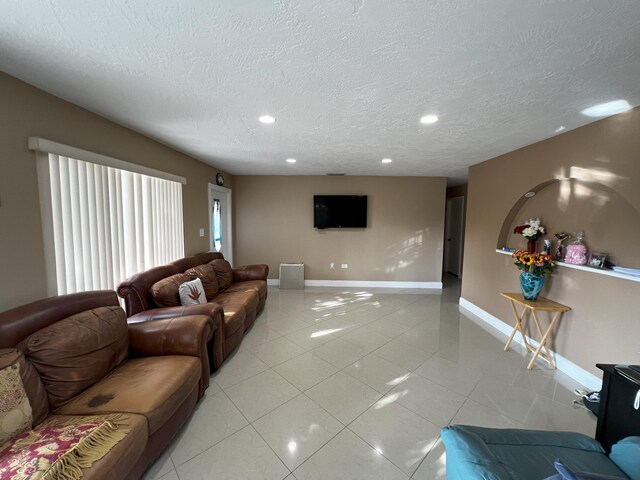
(561, 128)
(268, 119)
(530, 194)
(429, 119)
(606, 109)
(386, 160)
(291, 160)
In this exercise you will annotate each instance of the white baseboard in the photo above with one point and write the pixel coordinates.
(579, 374)
(364, 283)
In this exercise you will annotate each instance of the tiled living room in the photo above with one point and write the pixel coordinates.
(279, 240)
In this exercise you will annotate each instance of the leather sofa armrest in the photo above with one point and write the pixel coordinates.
(212, 310)
(251, 272)
(171, 336)
(186, 335)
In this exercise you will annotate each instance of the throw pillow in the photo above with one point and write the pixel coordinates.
(565, 473)
(192, 293)
(15, 410)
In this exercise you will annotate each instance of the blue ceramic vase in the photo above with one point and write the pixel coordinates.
(531, 285)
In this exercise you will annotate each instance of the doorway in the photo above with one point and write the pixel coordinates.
(454, 236)
(220, 221)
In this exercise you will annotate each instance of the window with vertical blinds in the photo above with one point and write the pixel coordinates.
(109, 223)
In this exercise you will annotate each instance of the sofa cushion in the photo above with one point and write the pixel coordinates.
(15, 410)
(153, 386)
(207, 274)
(248, 298)
(74, 353)
(259, 286)
(192, 293)
(30, 380)
(565, 473)
(165, 292)
(234, 315)
(626, 455)
(224, 272)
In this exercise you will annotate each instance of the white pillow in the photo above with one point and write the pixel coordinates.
(192, 293)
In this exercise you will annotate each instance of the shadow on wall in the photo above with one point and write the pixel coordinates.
(401, 255)
(586, 202)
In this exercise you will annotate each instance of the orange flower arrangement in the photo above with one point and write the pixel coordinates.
(536, 263)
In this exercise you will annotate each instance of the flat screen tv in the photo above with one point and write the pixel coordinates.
(339, 211)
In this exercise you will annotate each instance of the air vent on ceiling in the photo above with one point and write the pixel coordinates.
(336, 174)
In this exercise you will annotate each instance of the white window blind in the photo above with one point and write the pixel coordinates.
(108, 223)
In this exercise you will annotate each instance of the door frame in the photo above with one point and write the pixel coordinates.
(450, 218)
(227, 216)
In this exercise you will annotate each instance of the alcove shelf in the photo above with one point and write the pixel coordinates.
(597, 271)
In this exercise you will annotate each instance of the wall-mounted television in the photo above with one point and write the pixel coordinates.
(339, 211)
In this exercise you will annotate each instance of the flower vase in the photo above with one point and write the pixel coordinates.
(531, 285)
(531, 246)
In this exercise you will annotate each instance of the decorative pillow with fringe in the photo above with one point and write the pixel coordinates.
(15, 409)
(60, 447)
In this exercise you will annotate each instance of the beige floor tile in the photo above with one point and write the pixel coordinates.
(244, 455)
(377, 372)
(347, 457)
(214, 419)
(240, 366)
(399, 434)
(259, 395)
(297, 429)
(429, 400)
(305, 371)
(276, 351)
(343, 396)
(403, 355)
(339, 352)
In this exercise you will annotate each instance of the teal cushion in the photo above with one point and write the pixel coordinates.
(565, 473)
(626, 455)
(506, 454)
(468, 456)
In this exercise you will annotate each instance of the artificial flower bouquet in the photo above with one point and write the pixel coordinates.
(535, 263)
(531, 229)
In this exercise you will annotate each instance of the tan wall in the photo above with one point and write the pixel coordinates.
(26, 111)
(603, 198)
(402, 241)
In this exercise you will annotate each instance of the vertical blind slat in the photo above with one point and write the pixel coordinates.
(109, 224)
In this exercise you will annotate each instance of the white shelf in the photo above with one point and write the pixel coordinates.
(598, 271)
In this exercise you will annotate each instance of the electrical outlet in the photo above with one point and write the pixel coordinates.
(344, 265)
(332, 265)
(202, 232)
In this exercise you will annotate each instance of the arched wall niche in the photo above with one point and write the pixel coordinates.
(610, 222)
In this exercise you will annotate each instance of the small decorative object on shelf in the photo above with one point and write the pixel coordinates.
(576, 251)
(561, 251)
(547, 247)
(530, 230)
(535, 267)
(597, 259)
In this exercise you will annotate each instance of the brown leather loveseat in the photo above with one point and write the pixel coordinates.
(235, 297)
(78, 358)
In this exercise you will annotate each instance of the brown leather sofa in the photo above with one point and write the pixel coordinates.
(78, 356)
(235, 297)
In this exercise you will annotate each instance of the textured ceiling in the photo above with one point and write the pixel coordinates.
(346, 80)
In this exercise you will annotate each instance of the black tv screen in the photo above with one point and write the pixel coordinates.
(339, 211)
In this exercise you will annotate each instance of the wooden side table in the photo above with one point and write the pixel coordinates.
(532, 307)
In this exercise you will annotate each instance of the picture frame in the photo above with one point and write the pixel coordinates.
(597, 259)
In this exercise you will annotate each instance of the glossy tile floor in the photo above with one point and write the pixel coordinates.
(337, 383)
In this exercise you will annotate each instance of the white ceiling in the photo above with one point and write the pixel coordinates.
(346, 80)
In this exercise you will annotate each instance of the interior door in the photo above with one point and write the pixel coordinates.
(454, 232)
(220, 221)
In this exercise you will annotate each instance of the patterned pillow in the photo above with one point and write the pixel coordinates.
(192, 293)
(15, 410)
